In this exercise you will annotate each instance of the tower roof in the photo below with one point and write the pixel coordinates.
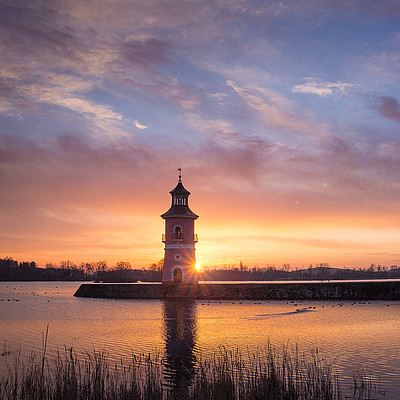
(180, 203)
(179, 189)
(180, 211)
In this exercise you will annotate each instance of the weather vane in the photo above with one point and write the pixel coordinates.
(180, 174)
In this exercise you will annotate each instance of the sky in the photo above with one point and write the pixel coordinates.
(284, 115)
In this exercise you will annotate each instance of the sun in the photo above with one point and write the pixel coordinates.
(198, 265)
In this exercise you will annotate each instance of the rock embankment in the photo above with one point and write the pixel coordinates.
(382, 290)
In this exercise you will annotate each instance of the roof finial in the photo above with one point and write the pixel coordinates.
(180, 174)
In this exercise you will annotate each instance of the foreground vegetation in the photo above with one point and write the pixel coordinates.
(225, 375)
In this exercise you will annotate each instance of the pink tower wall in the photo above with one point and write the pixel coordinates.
(180, 254)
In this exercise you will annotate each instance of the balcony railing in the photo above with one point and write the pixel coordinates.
(180, 238)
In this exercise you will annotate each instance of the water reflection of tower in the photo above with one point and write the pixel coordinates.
(180, 343)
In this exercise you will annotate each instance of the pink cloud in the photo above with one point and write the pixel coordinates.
(389, 107)
(276, 111)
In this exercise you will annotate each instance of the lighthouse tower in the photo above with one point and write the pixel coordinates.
(179, 238)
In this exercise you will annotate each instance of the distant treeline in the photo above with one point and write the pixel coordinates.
(313, 272)
(12, 270)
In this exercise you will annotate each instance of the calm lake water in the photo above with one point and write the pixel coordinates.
(351, 335)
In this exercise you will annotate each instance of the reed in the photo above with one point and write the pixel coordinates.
(226, 374)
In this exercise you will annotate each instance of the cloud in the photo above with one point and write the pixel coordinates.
(275, 110)
(139, 125)
(53, 172)
(219, 96)
(219, 130)
(146, 51)
(68, 83)
(189, 104)
(34, 34)
(49, 60)
(323, 89)
(59, 97)
(240, 166)
(389, 107)
(171, 91)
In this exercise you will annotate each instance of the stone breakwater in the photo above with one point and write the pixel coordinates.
(245, 291)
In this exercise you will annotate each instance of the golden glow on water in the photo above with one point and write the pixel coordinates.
(351, 335)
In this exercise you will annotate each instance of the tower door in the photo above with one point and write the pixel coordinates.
(177, 275)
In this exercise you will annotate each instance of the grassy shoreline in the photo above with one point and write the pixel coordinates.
(226, 374)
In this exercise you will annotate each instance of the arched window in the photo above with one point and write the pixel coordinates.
(178, 233)
(177, 275)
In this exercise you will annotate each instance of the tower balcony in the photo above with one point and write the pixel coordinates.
(177, 237)
(180, 239)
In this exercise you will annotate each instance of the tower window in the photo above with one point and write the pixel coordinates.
(177, 232)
